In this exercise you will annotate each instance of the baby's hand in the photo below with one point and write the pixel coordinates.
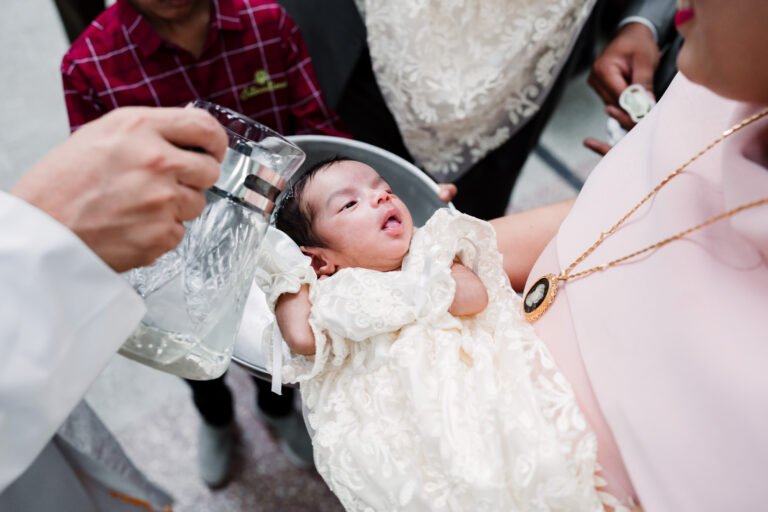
(292, 314)
(471, 297)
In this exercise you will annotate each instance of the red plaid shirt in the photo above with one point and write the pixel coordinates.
(254, 62)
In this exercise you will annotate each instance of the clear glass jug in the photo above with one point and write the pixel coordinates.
(195, 294)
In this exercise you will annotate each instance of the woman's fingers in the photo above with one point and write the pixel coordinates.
(447, 191)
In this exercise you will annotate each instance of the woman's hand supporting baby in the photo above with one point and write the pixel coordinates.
(292, 314)
(471, 297)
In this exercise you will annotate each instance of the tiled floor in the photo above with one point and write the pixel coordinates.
(150, 411)
(161, 440)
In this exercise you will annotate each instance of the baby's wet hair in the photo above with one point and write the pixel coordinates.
(294, 217)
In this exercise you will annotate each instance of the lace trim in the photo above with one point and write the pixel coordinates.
(460, 76)
(376, 396)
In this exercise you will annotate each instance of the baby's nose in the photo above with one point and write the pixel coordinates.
(382, 196)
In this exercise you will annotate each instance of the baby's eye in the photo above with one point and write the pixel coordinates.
(350, 204)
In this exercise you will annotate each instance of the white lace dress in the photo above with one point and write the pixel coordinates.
(411, 408)
(462, 76)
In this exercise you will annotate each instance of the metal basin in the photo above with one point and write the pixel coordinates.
(417, 190)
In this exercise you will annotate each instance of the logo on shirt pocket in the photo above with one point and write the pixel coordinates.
(262, 83)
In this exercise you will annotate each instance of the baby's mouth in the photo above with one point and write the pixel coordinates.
(391, 222)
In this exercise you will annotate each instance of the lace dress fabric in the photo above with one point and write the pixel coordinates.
(411, 408)
(462, 76)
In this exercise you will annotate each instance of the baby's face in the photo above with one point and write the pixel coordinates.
(361, 221)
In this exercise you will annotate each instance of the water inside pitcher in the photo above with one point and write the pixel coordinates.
(195, 294)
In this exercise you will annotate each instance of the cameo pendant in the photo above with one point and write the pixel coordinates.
(540, 297)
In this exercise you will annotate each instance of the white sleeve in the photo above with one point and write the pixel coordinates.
(281, 268)
(643, 21)
(358, 304)
(63, 314)
(657, 15)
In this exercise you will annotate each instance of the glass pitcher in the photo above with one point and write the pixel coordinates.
(196, 293)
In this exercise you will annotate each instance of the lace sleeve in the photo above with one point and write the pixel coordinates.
(449, 235)
(357, 311)
(358, 304)
(281, 268)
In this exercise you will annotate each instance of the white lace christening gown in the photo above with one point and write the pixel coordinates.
(411, 408)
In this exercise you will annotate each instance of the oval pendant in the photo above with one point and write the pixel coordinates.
(540, 297)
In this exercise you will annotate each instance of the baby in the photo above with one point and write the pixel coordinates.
(424, 387)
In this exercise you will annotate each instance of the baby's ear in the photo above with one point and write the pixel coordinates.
(320, 263)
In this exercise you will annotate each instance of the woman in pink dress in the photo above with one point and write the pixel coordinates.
(667, 350)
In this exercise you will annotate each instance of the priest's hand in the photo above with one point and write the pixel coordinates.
(123, 183)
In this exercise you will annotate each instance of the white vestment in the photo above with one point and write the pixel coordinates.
(63, 315)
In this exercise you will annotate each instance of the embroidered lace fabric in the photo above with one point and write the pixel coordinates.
(411, 408)
(462, 76)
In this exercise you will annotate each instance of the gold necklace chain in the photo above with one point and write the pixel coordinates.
(536, 305)
(583, 273)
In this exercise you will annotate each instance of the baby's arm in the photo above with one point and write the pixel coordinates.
(292, 314)
(471, 297)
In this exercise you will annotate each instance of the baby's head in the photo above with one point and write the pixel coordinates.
(343, 214)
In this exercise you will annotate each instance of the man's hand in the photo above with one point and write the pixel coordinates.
(631, 58)
(292, 314)
(123, 183)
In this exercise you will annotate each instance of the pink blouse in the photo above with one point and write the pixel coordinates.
(668, 353)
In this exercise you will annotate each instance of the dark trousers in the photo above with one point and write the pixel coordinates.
(213, 400)
(485, 189)
(364, 112)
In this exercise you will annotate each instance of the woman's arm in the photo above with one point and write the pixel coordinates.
(292, 314)
(471, 297)
(523, 236)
